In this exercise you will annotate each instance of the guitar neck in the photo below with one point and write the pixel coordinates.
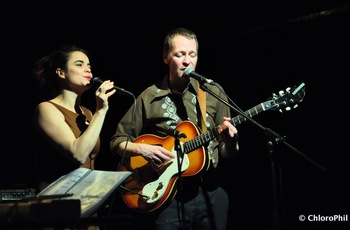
(200, 140)
(209, 135)
(239, 119)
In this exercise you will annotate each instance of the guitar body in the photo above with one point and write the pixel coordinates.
(144, 175)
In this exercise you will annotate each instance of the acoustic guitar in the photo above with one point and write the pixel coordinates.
(152, 186)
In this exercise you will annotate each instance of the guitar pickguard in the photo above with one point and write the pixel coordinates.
(155, 190)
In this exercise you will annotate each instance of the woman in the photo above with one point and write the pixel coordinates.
(67, 133)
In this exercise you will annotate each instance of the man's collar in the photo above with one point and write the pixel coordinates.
(164, 87)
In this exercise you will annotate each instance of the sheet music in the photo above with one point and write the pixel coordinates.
(91, 187)
(63, 184)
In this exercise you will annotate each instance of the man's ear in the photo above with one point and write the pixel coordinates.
(165, 59)
(60, 73)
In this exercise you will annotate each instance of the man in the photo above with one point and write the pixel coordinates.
(184, 193)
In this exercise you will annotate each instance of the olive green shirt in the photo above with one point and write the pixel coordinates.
(156, 110)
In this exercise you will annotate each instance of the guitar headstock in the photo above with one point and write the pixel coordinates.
(289, 98)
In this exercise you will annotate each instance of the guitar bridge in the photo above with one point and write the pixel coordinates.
(160, 168)
(134, 192)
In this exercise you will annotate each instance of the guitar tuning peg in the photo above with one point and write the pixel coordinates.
(295, 106)
(280, 110)
(281, 93)
(288, 108)
(274, 96)
(288, 89)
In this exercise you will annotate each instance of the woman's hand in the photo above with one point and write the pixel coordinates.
(103, 92)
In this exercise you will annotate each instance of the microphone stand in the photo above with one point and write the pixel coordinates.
(179, 153)
(273, 139)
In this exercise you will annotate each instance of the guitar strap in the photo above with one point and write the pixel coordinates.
(202, 106)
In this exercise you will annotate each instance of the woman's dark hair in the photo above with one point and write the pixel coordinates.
(44, 69)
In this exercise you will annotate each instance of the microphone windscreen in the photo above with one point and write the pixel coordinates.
(188, 71)
(96, 81)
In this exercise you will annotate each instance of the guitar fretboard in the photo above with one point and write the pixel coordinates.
(253, 111)
(209, 135)
(200, 140)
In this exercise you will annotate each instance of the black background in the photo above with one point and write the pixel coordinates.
(252, 48)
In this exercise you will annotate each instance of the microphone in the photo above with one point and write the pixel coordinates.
(96, 81)
(189, 72)
(175, 133)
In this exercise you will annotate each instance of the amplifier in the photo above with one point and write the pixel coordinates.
(16, 194)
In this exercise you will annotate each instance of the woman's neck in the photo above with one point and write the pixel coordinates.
(68, 99)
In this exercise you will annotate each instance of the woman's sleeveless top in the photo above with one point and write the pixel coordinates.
(50, 163)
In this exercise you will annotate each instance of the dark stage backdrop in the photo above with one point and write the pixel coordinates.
(253, 49)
